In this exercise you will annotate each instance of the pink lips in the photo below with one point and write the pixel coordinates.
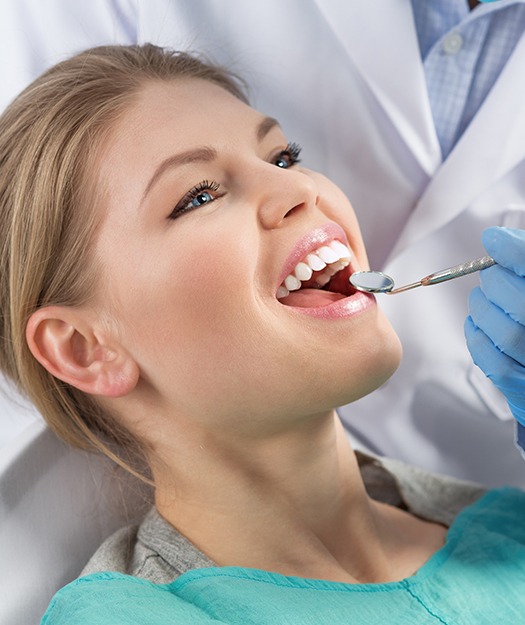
(310, 242)
(345, 307)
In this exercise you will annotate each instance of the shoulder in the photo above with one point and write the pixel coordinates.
(153, 551)
(438, 498)
(115, 553)
(117, 599)
(502, 512)
(105, 598)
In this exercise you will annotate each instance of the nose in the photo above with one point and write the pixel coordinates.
(283, 194)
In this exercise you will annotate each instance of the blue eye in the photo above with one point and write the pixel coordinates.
(289, 156)
(203, 193)
(202, 198)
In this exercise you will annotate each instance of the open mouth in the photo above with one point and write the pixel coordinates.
(320, 279)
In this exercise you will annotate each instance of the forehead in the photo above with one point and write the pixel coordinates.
(186, 109)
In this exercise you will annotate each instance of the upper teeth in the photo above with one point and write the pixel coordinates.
(332, 258)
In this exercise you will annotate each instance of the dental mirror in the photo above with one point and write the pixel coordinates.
(378, 282)
(371, 281)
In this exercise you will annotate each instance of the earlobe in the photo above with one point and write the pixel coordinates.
(67, 345)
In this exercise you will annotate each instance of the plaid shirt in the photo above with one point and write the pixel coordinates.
(463, 53)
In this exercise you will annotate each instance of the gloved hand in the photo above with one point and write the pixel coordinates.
(495, 329)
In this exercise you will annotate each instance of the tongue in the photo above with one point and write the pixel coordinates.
(340, 283)
(311, 298)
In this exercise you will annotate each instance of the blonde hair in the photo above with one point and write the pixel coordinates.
(48, 138)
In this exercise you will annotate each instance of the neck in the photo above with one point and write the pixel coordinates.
(294, 503)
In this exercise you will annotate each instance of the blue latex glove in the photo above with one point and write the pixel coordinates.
(495, 329)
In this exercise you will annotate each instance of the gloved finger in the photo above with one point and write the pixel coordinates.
(507, 247)
(507, 374)
(505, 289)
(503, 371)
(506, 334)
(483, 351)
(517, 410)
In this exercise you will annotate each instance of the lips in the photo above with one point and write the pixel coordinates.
(327, 292)
(312, 241)
(320, 277)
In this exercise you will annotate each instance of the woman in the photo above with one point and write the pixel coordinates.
(163, 258)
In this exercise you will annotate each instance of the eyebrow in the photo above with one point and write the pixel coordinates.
(201, 155)
(265, 126)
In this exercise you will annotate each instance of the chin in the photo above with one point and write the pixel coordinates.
(380, 361)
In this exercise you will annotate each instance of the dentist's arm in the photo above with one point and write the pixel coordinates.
(495, 328)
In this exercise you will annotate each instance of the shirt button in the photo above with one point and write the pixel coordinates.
(452, 43)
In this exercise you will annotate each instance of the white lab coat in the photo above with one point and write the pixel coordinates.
(346, 80)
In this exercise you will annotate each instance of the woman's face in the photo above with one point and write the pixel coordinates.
(206, 215)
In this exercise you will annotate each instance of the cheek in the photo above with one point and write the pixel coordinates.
(183, 306)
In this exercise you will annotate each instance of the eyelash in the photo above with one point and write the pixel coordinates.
(291, 152)
(199, 189)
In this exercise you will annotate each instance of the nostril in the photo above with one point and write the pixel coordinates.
(294, 210)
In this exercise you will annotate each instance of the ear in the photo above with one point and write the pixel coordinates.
(65, 343)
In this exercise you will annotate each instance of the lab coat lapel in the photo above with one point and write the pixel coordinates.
(490, 147)
(392, 68)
